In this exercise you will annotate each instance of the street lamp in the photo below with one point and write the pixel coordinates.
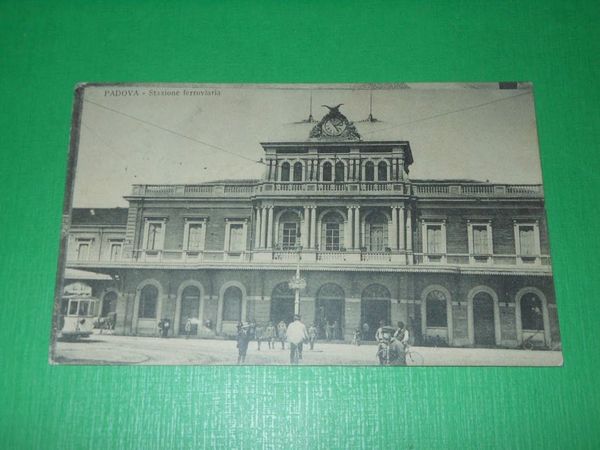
(297, 283)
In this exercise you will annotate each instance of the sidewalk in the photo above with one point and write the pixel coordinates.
(112, 349)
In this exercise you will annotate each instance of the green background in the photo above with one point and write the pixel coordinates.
(45, 48)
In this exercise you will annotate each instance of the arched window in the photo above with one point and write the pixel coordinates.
(327, 171)
(339, 171)
(532, 318)
(190, 308)
(232, 304)
(298, 171)
(332, 231)
(282, 304)
(285, 171)
(109, 304)
(436, 313)
(376, 236)
(289, 226)
(148, 302)
(382, 170)
(369, 171)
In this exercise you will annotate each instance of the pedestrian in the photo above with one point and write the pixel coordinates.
(356, 337)
(312, 335)
(402, 334)
(281, 330)
(365, 330)
(259, 334)
(379, 332)
(188, 328)
(397, 349)
(270, 335)
(329, 330)
(296, 336)
(337, 330)
(243, 338)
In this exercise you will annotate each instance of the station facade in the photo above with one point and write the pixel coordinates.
(462, 262)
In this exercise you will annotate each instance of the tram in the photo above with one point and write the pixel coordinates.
(79, 313)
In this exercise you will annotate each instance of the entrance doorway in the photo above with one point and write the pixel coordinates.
(375, 306)
(329, 312)
(282, 304)
(483, 320)
(190, 310)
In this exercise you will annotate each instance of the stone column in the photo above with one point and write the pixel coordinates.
(304, 228)
(392, 238)
(257, 228)
(401, 229)
(270, 228)
(263, 224)
(409, 242)
(313, 227)
(357, 227)
(348, 229)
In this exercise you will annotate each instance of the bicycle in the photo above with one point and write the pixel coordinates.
(413, 358)
(530, 342)
(295, 353)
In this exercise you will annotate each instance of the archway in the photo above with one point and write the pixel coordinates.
(484, 327)
(190, 309)
(109, 304)
(329, 311)
(375, 306)
(436, 315)
(282, 304)
(533, 322)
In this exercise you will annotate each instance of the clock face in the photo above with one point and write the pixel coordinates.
(334, 126)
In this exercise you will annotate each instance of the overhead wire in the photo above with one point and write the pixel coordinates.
(168, 130)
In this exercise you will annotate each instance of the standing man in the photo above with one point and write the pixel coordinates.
(281, 329)
(270, 335)
(243, 338)
(401, 334)
(312, 336)
(365, 331)
(259, 333)
(296, 336)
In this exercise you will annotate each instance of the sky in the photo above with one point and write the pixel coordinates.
(163, 136)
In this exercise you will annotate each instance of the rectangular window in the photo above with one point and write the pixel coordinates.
(195, 233)
(154, 236)
(480, 240)
(434, 239)
(73, 307)
(236, 238)
(288, 239)
(332, 236)
(83, 250)
(115, 251)
(527, 240)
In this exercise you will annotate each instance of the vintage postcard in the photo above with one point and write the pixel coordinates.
(354, 224)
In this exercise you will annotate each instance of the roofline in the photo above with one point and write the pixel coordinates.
(332, 143)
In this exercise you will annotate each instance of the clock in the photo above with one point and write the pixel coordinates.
(334, 126)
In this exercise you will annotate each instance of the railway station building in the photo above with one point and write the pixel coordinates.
(462, 262)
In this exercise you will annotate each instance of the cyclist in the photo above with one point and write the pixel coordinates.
(296, 336)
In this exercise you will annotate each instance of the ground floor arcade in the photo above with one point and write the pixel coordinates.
(440, 308)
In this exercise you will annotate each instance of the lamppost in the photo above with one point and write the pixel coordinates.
(297, 283)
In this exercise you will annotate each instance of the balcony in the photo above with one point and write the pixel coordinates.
(346, 188)
(351, 259)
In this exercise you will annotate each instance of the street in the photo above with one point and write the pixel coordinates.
(111, 349)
